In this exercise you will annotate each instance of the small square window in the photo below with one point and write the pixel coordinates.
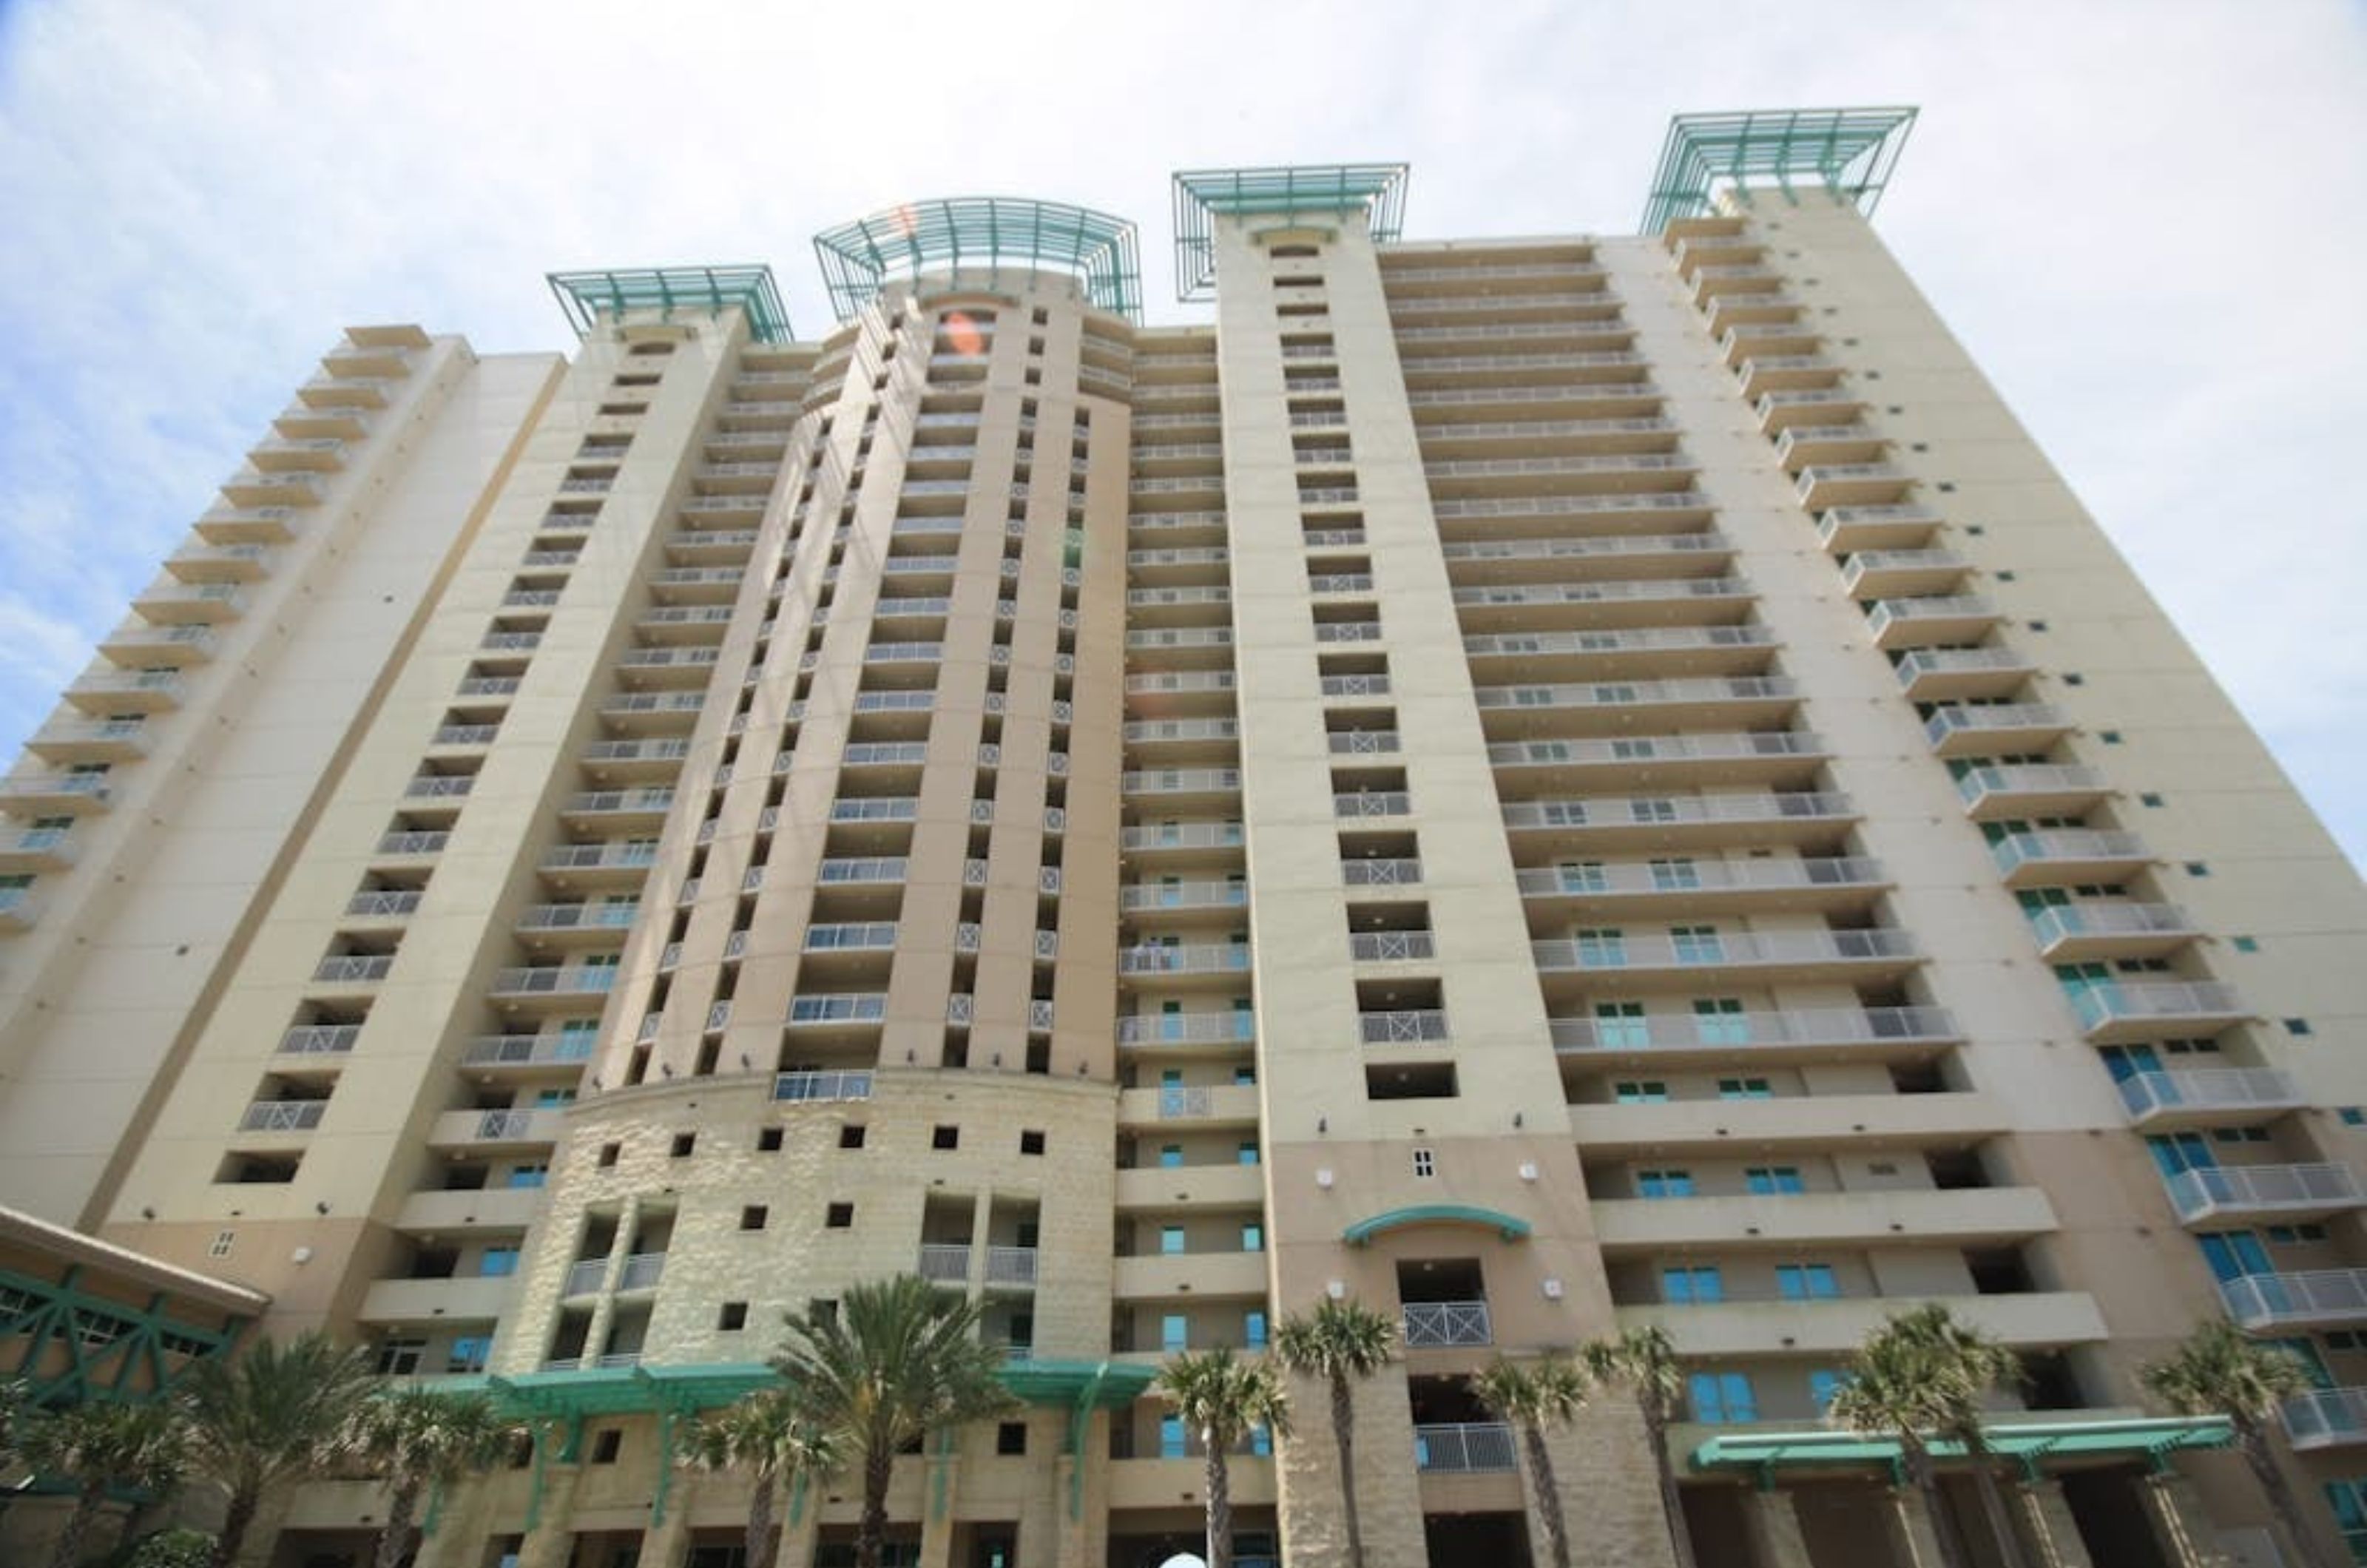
(1919, 447)
(732, 1316)
(607, 1444)
(850, 1136)
(1011, 1437)
(2247, 944)
(1425, 1161)
(2352, 1115)
(2109, 737)
(1975, 529)
(752, 1217)
(840, 1216)
(608, 1154)
(1031, 1143)
(2197, 868)
(2075, 679)
(221, 1243)
(2008, 577)
(2149, 798)
(2035, 626)
(2297, 1026)
(945, 1138)
(768, 1140)
(683, 1144)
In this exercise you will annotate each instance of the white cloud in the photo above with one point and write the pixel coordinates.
(2136, 215)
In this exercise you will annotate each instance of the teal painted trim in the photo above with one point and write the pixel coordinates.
(1851, 152)
(941, 1466)
(104, 1342)
(797, 1499)
(1510, 1227)
(582, 296)
(2028, 1443)
(542, 1474)
(666, 1421)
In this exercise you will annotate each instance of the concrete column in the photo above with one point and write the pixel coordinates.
(666, 1544)
(2180, 1528)
(1914, 1533)
(548, 1544)
(461, 1526)
(801, 1536)
(2044, 1516)
(1775, 1538)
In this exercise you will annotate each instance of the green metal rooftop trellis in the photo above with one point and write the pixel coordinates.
(1307, 190)
(2153, 1438)
(1850, 152)
(583, 295)
(988, 232)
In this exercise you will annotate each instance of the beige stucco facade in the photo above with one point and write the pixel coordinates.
(1541, 784)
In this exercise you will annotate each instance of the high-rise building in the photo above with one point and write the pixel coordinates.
(1543, 786)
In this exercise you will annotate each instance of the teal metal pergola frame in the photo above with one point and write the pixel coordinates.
(989, 231)
(70, 1346)
(1848, 152)
(585, 295)
(1286, 195)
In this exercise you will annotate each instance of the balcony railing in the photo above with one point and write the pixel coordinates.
(2269, 1301)
(1445, 1324)
(1703, 876)
(1723, 1031)
(1409, 1026)
(1010, 1266)
(585, 1277)
(320, 1039)
(2326, 1417)
(1382, 947)
(812, 1086)
(2214, 1191)
(1226, 1028)
(2207, 1090)
(1465, 1447)
(1726, 949)
(944, 1264)
(643, 1270)
(2078, 844)
(282, 1116)
(2068, 922)
(2169, 1002)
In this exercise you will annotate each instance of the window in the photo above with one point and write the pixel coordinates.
(221, 1244)
(1174, 1332)
(1697, 944)
(522, 1176)
(752, 1217)
(1744, 1089)
(2297, 1026)
(682, 1145)
(1652, 810)
(400, 1358)
(1692, 1285)
(850, 1136)
(469, 1353)
(497, 1262)
(839, 1216)
(1621, 1026)
(1773, 1180)
(1170, 1435)
(1011, 1437)
(1425, 1161)
(1246, 1154)
(1252, 1236)
(1664, 1184)
(1171, 1241)
(2352, 1115)
(1585, 877)
(2247, 944)
(2347, 1499)
(1823, 1383)
(1253, 1329)
(607, 1444)
(1721, 1021)
(945, 1138)
(1031, 1143)
(1602, 948)
(1806, 1283)
(1171, 1156)
(608, 1152)
(1675, 875)
(732, 1316)
(1640, 1091)
(1722, 1397)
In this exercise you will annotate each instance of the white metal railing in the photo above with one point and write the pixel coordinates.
(1464, 1446)
(282, 1116)
(943, 1263)
(1373, 803)
(1182, 836)
(522, 1050)
(499, 1126)
(1632, 693)
(641, 1271)
(2114, 1001)
(1701, 876)
(1010, 1266)
(2258, 1301)
(350, 968)
(584, 1277)
(812, 1086)
(2212, 1189)
(1402, 1026)
(1663, 749)
(1380, 872)
(1138, 896)
(2059, 921)
(2028, 778)
(320, 1039)
(2327, 1415)
(1725, 949)
(1620, 812)
(1381, 947)
(2208, 1088)
(1226, 1028)
(1641, 591)
(1437, 1325)
(2067, 844)
(1800, 1026)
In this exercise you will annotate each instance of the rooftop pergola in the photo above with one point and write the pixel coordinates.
(983, 231)
(585, 294)
(1848, 152)
(1286, 194)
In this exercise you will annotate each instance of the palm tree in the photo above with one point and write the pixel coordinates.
(1646, 1360)
(1896, 1391)
(268, 1418)
(1341, 1342)
(1222, 1398)
(2217, 1371)
(1547, 1394)
(421, 1439)
(769, 1436)
(1969, 1364)
(102, 1445)
(899, 1361)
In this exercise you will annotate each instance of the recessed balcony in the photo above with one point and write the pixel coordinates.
(487, 1131)
(617, 810)
(1799, 1123)
(1184, 965)
(2208, 1097)
(593, 926)
(1844, 957)
(1995, 728)
(1730, 702)
(2031, 789)
(1445, 1325)
(2222, 1194)
(1955, 674)
(1932, 623)
(1720, 1039)
(1199, 1106)
(493, 1057)
(1702, 886)
(1174, 1034)
(2075, 933)
(1733, 1330)
(438, 1303)
(2065, 857)
(551, 988)
(1902, 574)
(2323, 1298)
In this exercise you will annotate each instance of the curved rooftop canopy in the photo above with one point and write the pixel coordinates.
(988, 232)
(1509, 1226)
(1303, 190)
(1849, 152)
(583, 295)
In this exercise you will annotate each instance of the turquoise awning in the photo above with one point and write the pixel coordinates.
(2152, 1438)
(1510, 1227)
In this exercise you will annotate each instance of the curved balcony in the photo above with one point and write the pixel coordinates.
(2217, 1194)
(2208, 1097)
(2320, 1298)
(2117, 1011)
(2072, 933)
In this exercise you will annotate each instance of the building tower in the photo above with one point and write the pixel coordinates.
(1543, 785)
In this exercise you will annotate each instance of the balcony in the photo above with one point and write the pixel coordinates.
(351, 969)
(253, 488)
(439, 1302)
(149, 647)
(1735, 1329)
(2208, 1097)
(1797, 1123)
(643, 1270)
(1951, 674)
(1845, 957)
(1846, 530)
(1799, 446)
(56, 795)
(943, 1264)
(1206, 961)
(488, 1051)
(1978, 1218)
(1786, 372)
(1997, 728)
(480, 1209)
(374, 358)
(1405, 1026)
(89, 740)
(623, 863)
(1902, 574)
(1714, 821)
(2327, 1417)
(327, 391)
(1184, 897)
(1929, 622)
(1602, 605)
(1807, 406)
(1193, 1276)
(801, 1087)
(2282, 1193)
(1753, 757)
(1727, 702)
(1812, 1034)
(36, 849)
(247, 525)
(110, 691)
(298, 453)
(2117, 1011)
(584, 1277)
(552, 988)
(282, 1116)
(1465, 1447)
(1704, 887)
(1230, 1028)
(1208, 1106)
(1447, 1326)
(1010, 1268)
(618, 810)
(19, 908)
(2321, 1298)
(1229, 1185)
(2069, 856)
(1715, 282)
(220, 563)
(480, 1131)
(2074, 933)
(2031, 789)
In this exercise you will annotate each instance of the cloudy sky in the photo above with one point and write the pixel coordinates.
(2142, 218)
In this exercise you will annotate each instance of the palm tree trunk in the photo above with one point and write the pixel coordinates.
(1220, 1504)
(1672, 1501)
(238, 1517)
(395, 1538)
(871, 1533)
(1926, 1477)
(2253, 1444)
(1343, 1435)
(764, 1543)
(87, 1503)
(1541, 1481)
(1993, 1509)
